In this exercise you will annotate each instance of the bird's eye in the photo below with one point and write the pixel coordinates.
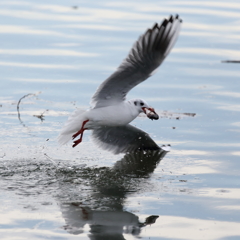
(135, 103)
(141, 103)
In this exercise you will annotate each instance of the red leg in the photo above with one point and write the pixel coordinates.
(80, 132)
(77, 133)
(76, 142)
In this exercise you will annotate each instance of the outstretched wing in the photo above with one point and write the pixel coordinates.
(145, 56)
(123, 139)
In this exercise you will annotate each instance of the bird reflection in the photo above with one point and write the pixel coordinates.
(103, 224)
(101, 206)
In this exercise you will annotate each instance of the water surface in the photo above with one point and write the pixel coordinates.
(59, 52)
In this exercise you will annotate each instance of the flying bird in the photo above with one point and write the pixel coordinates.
(110, 112)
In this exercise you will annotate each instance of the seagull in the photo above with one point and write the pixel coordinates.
(110, 112)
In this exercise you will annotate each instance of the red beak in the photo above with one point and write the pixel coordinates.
(151, 114)
(149, 109)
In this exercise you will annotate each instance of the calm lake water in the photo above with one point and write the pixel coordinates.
(59, 52)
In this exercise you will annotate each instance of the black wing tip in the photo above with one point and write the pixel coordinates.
(171, 19)
(155, 25)
(164, 23)
(177, 17)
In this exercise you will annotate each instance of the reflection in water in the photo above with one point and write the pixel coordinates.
(103, 224)
(18, 105)
(18, 108)
(103, 207)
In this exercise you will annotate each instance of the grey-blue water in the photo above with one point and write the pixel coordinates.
(60, 51)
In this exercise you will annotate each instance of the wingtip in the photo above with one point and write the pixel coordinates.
(165, 22)
(170, 18)
(177, 18)
(155, 26)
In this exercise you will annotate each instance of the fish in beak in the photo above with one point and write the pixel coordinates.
(150, 112)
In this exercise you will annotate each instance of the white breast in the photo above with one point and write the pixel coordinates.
(116, 115)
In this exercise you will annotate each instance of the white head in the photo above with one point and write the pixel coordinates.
(142, 106)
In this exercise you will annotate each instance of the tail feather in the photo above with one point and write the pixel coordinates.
(73, 124)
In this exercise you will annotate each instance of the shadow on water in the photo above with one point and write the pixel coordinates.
(103, 207)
